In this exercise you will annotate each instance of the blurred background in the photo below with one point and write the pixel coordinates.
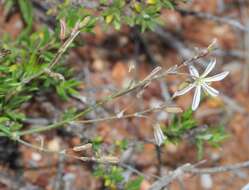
(102, 61)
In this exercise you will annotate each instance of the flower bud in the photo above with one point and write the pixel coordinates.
(62, 29)
(82, 147)
(158, 135)
(173, 109)
(110, 159)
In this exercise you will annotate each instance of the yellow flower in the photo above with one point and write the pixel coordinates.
(108, 19)
(151, 2)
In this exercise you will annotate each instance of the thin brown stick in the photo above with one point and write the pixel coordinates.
(189, 168)
(225, 20)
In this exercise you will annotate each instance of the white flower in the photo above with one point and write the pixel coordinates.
(201, 82)
(158, 135)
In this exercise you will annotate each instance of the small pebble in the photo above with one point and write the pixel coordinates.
(206, 181)
(36, 156)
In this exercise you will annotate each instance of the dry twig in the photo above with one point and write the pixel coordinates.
(189, 168)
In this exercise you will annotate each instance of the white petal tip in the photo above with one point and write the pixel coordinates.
(194, 108)
(217, 77)
(226, 73)
(217, 94)
(174, 95)
(223, 75)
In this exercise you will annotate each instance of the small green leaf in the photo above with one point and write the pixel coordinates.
(134, 184)
(15, 127)
(5, 129)
(205, 137)
(168, 4)
(3, 119)
(26, 10)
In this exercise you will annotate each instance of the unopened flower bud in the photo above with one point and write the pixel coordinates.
(82, 147)
(62, 29)
(173, 109)
(110, 159)
(85, 21)
(158, 135)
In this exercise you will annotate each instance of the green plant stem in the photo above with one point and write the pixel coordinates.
(40, 129)
(140, 85)
(54, 61)
(57, 57)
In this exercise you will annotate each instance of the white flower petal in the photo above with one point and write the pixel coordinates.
(158, 135)
(184, 90)
(246, 187)
(210, 90)
(197, 98)
(193, 71)
(209, 68)
(217, 77)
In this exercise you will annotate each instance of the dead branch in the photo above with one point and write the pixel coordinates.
(189, 168)
(234, 23)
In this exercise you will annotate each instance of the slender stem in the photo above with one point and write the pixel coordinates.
(54, 61)
(63, 49)
(102, 159)
(136, 114)
(57, 57)
(41, 129)
(39, 148)
(140, 85)
(159, 159)
(189, 168)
